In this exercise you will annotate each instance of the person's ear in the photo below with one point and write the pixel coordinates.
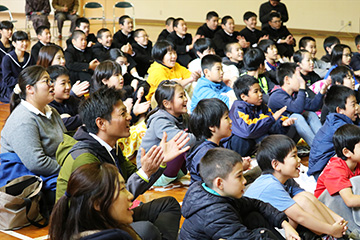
(275, 164)
(166, 104)
(228, 54)
(218, 183)
(97, 206)
(206, 71)
(347, 153)
(243, 97)
(104, 81)
(339, 110)
(30, 89)
(212, 129)
(286, 80)
(328, 50)
(101, 123)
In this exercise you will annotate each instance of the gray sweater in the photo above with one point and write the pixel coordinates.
(34, 138)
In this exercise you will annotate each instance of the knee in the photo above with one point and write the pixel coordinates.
(303, 200)
(171, 204)
(60, 17)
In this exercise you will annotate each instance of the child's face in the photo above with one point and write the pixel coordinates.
(170, 28)
(290, 168)
(251, 22)
(236, 54)
(45, 36)
(307, 64)
(116, 80)
(178, 104)
(311, 48)
(254, 95)
(21, 45)
(6, 33)
(224, 129)
(215, 74)
(169, 59)
(127, 26)
(294, 81)
(349, 81)
(234, 183)
(271, 52)
(346, 57)
(142, 38)
(62, 87)
(229, 26)
(181, 28)
(351, 108)
(80, 42)
(85, 27)
(59, 59)
(123, 63)
(275, 23)
(212, 23)
(206, 52)
(106, 39)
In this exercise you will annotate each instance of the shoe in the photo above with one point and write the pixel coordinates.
(60, 36)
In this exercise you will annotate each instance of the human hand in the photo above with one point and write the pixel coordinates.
(288, 122)
(290, 232)
(150, 162)
(80, 88)
(93, 64)
(263, 38)
(279, 112)
(175, 146)
(73, 13)
(242, 41)
(325, 86)
(246, 162)
(140, 108)
(289, 40)
(127, 48)
(357, 73)
(339, 228)
(195, 76)
(90, 44)
(38, 13)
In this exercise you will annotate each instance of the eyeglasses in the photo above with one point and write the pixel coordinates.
(48, 81)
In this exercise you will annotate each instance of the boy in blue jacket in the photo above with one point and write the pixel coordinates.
(343, 108)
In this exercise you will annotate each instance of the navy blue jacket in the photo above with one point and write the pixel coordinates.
(3, 51)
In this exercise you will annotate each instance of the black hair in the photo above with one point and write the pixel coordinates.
(160, 49)
(19, 36)
(329, 41)
(208, 61)
(285, 69)
(169, 21)
(203, 44)
(337, 54)
(243, 84)
(273, 15)
(114, 53)
(81, 20)
(137, 32)
(101, 31)
(6, 25)
(357, 40)
(218, 162)
(76, 34)
(304, 41)
(225, 19)
(176, 21)
(248, 15)
(346, 136)
(339, 73)
(273, 147)
(253, 58)
(211, 14)
(104, 70)
(337, 96)
(100, 104)
(229, 46)
(56, 71)
(265, 44)
(299, 55)
(207, 113)
(40, 29)
(123, 18)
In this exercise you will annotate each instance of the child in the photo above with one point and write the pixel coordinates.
(216, 209)
(338, 177)
(211, 85)
(309, 44)
(51, 55)
(272, 59)
(202, 47)
(142, 51)
(168, 117)
(83, 24)
(252, 119)
(168, 29)
(183, 42)
(250, 33)
(277, 158)
(79, 58)
(292, 94)
(13, 63)
(6, 30)
(44, 36)
(329, 44)
(124, 37)
(66, 100)
(233, 55)
(104, 44)
(341, 103)
(355, 60)
(210, 123)
(208, 29)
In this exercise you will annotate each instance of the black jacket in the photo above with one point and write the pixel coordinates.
(142, 57)
(180, 44)
(205, 31)
(121, 39)
(163, 35)
(221, 38)
(251, 36)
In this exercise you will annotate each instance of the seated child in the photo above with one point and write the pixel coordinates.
(277, 158)
(66, 99)
(202, 47)
(83, 24)
(339, 175)
(233, 55)
(272, 58)
(124, 37)
(104, 44)
(210, 123)
(250, 33)
(341, 103)
(355, 60)
(292, 94)
(142, 48)
(309, 44)
(79, 58)
(211, 85)
(168, 29)
(329, 44)
(208, 29)
(183, 42)
(216, 208)
(44, 35)
(6, 31)
(252, 119)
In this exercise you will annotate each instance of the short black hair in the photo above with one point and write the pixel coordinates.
(265, 44)
(273, 15)
(169, 21)
(299, 55)
(101, 31)
(339, 73)
(346, 136)
(225, 19)
(329, 41)
(76, 34)
(304, 41)
(337, 96)
(229, 46)
(357, 40)
(56, 71)
(137, 32)
(160, 49)
(208, 61)
(176, 21)
(273, 147)
(248, 15)
(105, 70)
(207, 113)
(203, 44)
(40, 29)
(211, 14)
(243, 84)
(285, 69)
(19, 36)
(218, 162)
(100, 104)
(253, 58)
(122, 19)
(81, 20)
(6, 25)
(337, 54)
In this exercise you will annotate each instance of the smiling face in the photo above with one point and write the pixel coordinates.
(251, 22)
(85, 27)
(254, 95)
(45, 36)
(234, 183)
(311, 48)
(80, 42)
(169, 59)
(116, 80)
(59, 59)
(21, 45)
(181, 28)
(178, 105)
(62, 87)
(106, 39)
(212, 23)
(142, 38)
(229, 27)
(351, 108)
(290, 168)
(224, 129)
(307, 64)
(236, 54)
(119, 126)
(127, 26)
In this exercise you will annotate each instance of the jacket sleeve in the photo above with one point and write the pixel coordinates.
(98, 54)
(76, 5)
(264, 14)
(284, 13)
(72, 65)
(8, 80)
(314, 104)
(294, 105)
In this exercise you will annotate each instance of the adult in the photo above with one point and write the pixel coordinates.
(272, 6)
(38, 11)
(65, 10)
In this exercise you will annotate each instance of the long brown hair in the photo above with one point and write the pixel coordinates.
(47, 54)
(89, 185)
